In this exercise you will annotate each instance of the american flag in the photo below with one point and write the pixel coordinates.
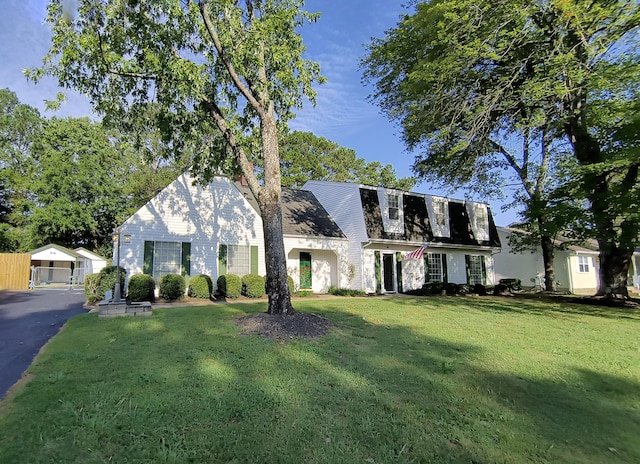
(417, 253)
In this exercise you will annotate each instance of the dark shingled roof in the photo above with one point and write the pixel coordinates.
(302, 213)
(417, 227)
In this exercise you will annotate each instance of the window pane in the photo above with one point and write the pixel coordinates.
(394, 206)
(167, 258)
(475, 270)
(239, 260)
(439, 210)
(435, 267)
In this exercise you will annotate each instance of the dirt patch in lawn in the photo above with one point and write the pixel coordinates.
(278, 327)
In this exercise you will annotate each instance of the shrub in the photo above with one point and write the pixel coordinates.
(433, 288)
(345, 291)
(500, 289)
(253, 286)
(480, 289)
(229, 286)
(91, 283)
(141, 288)
(103, 281)
(201, 286)
(172, 287)
(451, 288)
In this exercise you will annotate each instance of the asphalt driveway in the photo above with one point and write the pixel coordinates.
(27, 321)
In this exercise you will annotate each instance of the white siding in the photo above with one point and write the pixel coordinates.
(205, 216)
(342, 202)
(328, 261)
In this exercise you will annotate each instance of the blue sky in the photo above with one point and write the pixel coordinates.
(337, 41)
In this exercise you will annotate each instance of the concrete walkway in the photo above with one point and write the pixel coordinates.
(28, 320)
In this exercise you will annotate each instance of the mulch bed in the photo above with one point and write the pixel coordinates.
(279, 327)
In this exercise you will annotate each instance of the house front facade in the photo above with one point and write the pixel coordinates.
(335, 234)
(384, 225)
(216, 229)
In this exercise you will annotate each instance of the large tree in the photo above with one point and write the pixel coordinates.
(20, 126)
(305, 156)
(234, 65)
(464, 78)
(77, 184)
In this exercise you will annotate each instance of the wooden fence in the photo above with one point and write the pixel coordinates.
(15, 271)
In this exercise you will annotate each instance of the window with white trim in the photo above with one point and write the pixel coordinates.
(583, 263)
(440, 212)
(393, 202)
(239, 260)
(482, 222)
(435, 267)
(167, 258)
(476, 269)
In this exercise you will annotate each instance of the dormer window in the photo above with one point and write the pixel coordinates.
(394, 206)
(440, 212)
(480, 222)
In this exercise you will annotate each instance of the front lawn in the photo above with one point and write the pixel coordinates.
(447, 379)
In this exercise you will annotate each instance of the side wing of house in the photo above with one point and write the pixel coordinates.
(383, 225)
(194, 229)
(342, 202)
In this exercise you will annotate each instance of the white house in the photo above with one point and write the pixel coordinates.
(576, 268)
(383, 225)
(335, 234)
(216, 229)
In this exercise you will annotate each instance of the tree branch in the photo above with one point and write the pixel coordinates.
(235, 78)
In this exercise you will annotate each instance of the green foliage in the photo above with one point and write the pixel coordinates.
(475, 91)
(201, 286)
(253, 286)
(171, 287)
(291, 284)
(305, 156)
(230, 286)
(345, 291)
(512, 284)
(91, 283)
(231, 70)
(141, 287)
(96, 285)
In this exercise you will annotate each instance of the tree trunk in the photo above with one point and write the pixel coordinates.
(546, 243)
(270, 202)
(614, 259)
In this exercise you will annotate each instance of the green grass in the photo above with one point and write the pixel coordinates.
(451, 379)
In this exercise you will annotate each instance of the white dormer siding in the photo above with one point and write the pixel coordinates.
(438, 209)
(479, 219)
(391, 205)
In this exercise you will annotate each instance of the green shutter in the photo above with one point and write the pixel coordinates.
(222, 259)
(467, 260)
(399, 271)
(186, 259)
(425, 258)
(147, 263)
(484, 270)
(445, 273)
(376, 254)
(254, 260)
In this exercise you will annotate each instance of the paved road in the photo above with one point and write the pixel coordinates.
(27, 321)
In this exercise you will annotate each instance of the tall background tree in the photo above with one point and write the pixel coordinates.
(305, 156)
(465, 78)
(237, 66)
(20, 127)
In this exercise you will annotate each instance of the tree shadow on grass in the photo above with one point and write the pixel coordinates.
(548, 306)
(183, 386)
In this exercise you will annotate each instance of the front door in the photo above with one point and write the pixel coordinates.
(387, 270)
(305, 270)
